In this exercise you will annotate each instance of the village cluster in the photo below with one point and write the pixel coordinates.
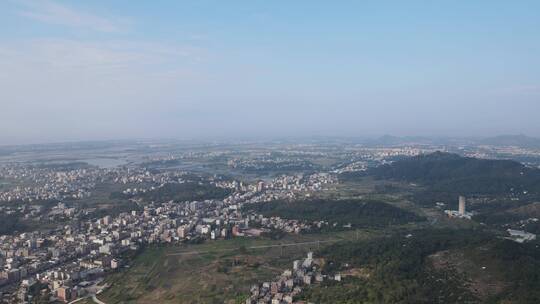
(67, 262)
(289, 284)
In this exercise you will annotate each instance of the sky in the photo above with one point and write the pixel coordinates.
(91, 70)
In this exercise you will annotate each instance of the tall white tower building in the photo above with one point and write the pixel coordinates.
(461, 209)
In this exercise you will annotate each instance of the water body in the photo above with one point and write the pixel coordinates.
(105, 163)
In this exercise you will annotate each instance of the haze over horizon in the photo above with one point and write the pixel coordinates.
(74, 70)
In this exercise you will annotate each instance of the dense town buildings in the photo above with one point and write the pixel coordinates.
(69, 261)
(289, 284)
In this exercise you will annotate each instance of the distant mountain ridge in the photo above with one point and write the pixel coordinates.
(512, 140)
(390, 140)
(501, 140)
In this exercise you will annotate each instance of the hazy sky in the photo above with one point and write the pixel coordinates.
(80, 70)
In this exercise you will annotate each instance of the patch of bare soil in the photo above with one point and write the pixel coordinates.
(530, 210)
(481, 279)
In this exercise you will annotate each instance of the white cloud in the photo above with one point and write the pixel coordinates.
(92, 86)
(54, 13)
(96, 55)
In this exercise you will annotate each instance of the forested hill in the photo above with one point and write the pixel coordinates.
(451, 172)
(358, 213)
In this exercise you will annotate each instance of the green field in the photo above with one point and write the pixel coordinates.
(10, 183)
(4, 184)
(222, 271)
(103, 201)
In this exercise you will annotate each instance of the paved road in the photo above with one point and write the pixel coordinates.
(96, 300)
(93, 291)
(254, 247)
(77, 300)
